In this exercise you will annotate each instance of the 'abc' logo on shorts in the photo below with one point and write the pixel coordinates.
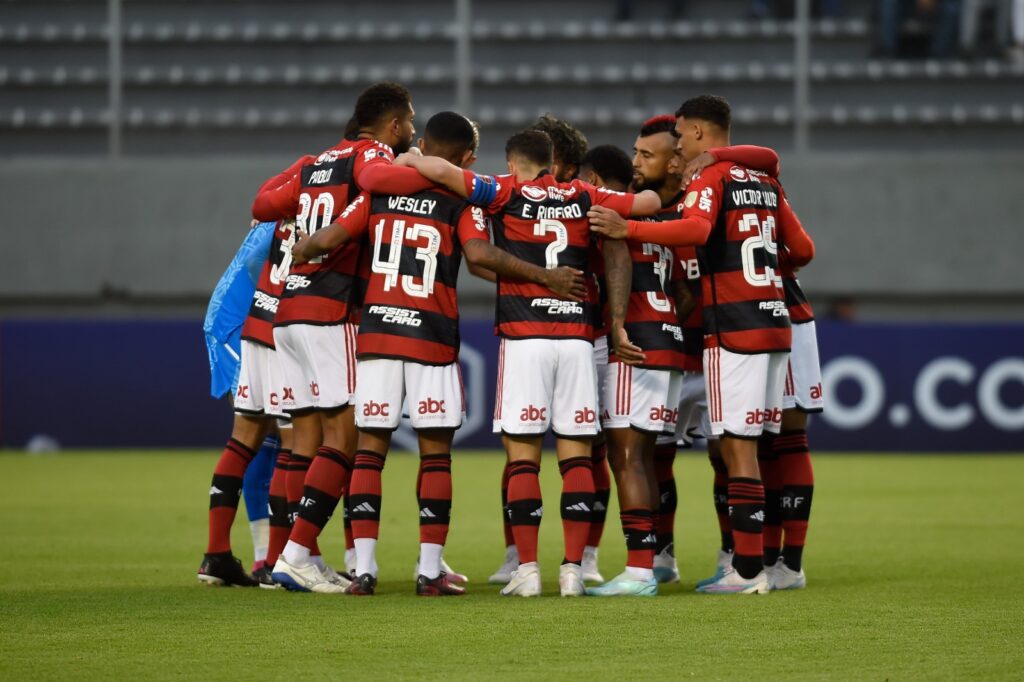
(375, 409)
(533, 414)
(585, 416)
(663, 414)
(764, 417)
(431, 406)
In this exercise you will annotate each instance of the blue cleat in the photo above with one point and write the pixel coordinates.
(625, 585)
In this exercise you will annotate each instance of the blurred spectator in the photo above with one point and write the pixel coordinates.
(941, 15)
(842, 309)
(1017, 51)
(624, 9)
(970, 20)
(786, 9)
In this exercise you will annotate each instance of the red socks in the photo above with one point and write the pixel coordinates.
(664, 525)
(434, 492)
(364, 494)
(225, 490)
(525, 507)
(506, 524)
(602, 493)
(280, 527)
(797, 491)
(720, 493)
(746, 502)
(577, 504)
(324, 485)
(771, 475)
(638, 527)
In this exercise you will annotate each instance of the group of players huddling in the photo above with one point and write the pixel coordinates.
(640, 305)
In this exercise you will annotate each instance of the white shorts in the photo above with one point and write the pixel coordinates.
(744, 392)
(601, 365)
(435, 395)
(693, 420)
(319, 363)
(546, 383)
(260, 382)
(646, 399)
(803, 378)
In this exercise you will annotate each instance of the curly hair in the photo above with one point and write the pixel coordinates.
(379, 102)
(569, 143)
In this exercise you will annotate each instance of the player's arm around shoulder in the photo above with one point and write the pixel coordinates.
(352, 223)
(792, 236)
(567, 283)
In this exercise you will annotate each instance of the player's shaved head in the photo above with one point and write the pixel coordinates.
(569, 145)
(451, 136)
(610, 165)
(532, 146)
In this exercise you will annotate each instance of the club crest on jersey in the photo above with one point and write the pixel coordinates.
(690, 199)
(534, 193)
(738, 174)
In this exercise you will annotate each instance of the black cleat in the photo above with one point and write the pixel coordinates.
(441, 586)
(262, 576)
(223, 569)
(363, 586)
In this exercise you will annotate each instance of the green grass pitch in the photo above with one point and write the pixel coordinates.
(914, 566)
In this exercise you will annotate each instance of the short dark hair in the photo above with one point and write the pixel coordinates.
(451, 131)
(711, 108)
(666, 123)
(380, 102)
(533, 145)
(569, 143)
(610, 162)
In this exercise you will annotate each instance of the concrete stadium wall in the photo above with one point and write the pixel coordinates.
(902, 226)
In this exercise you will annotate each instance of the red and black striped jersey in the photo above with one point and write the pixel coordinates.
(651, 321)
(688, 269)
(411, 308)
(327, 289)
(544, 222)
(799, 309)
(599, 289)
(744, 307)
(259, 324)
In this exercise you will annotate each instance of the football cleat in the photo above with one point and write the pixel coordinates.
(363, 586)
(262, 575)
(525, 582)
(342, 580)
(305, 578)
(590, 570)
(625, 585)
(723, 562)
(570, 580)
(732, 582)
(441, 586)
(223, 569)
(453, 576)
(782, 577)
(504, 573)
(665, 569)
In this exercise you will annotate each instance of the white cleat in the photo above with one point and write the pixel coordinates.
(305, 578)
(782, 577)
(665, 568)
(723, 562)
(505, 571)
(590, 571)
(525, 582)
(570, 581)
(453, 575)
(336, 578)
(732, 582)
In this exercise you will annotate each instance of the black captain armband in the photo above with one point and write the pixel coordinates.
(485, 188)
